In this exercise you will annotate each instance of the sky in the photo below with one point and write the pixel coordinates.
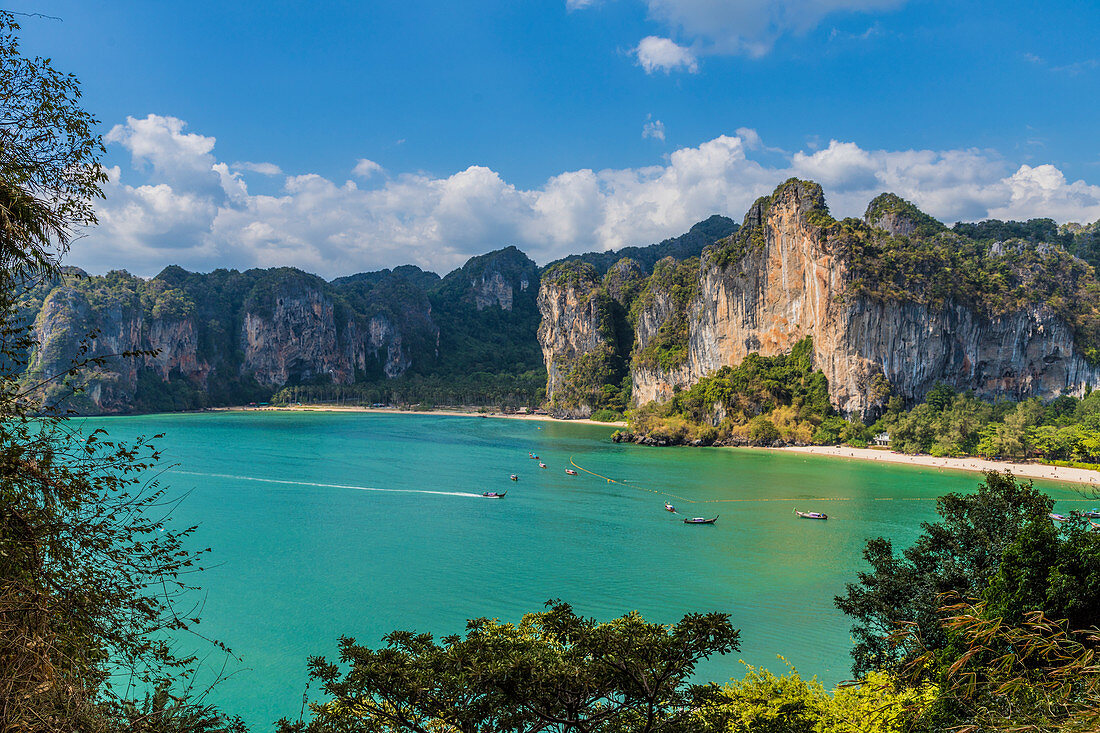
(342, 136)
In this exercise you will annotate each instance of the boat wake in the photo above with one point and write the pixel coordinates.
(325, 486)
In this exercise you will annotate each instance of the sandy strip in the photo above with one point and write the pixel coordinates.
(447, 412)
(1024, 470)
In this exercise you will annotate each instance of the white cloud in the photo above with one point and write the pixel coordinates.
(742, 27)
(196, 212)
(654, 129)
(176, 157)
(1043, 191)
(661, 54)
(366, 168)
(264, 169)
(752, 26)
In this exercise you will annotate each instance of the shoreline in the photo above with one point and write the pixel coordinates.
(973, 464)
(446, 412)
(1042, 471)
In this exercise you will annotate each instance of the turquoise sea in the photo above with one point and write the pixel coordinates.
(330, 524)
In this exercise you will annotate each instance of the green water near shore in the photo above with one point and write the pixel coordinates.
(330, 524)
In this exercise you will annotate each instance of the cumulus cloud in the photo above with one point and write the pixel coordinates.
(366, 168)
(662, 54)
(195, 211)
(654, 129)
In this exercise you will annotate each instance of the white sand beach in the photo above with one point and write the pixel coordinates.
(1024, 470)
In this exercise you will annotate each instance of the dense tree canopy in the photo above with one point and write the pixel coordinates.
(554, 671)
(959, 554)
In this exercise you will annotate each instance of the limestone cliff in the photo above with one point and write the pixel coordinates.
(228, 337)
(894, 304)
(574, 335)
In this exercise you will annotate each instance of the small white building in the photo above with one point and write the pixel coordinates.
(882, 440)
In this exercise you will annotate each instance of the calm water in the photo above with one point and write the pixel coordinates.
(357, 524)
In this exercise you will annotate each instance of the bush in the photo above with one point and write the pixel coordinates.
(762, 431)
(607, 416)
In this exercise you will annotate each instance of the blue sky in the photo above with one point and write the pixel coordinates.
(238, 130)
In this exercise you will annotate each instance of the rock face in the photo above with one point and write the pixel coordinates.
(781, 278)
(572, 332)
(230, 337)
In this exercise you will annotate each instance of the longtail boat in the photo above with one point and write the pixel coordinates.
(494, 494)
(700, 520)
(811, 515)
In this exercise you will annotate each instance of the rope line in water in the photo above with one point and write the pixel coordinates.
(724, 501)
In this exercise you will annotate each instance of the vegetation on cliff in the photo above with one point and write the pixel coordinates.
(752, 236)
(783, 399)
(761, 401)
(672, 287)
(598, 377)
(934, 265)
(699, 237)
(478, 334)
(482, 389)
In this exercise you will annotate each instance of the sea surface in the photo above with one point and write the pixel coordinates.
(357, 524)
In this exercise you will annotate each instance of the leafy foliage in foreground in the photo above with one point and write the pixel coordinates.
(554, 671)
(93, 578)
(959, 554)
(1032, 675)
(762, 702)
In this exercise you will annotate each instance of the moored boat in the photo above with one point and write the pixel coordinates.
(811, 515)
(701, 520)
(1058, 517)
(669, 507)
(494, 494)
(571, 472)
(1091, 514)
(514, 477)
(542, 465)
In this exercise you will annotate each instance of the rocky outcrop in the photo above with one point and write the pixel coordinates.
(788, 274)
(229, 336)
(294, 337)
(572, 335)
(116, 341)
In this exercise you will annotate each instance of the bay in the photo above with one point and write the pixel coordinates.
(330, 524)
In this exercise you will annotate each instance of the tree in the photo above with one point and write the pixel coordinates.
(959, 554)
(554, 671)
(1053, 570)
(1032, 675)
(762, 702)
(90, 571)
(49, 159)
